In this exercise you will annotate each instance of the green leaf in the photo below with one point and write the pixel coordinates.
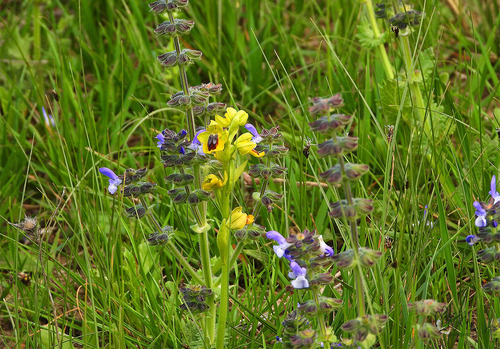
(391, 93)
(367, 38)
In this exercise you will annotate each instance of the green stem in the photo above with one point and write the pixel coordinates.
(178, 255)
(354, 238)
(323, 330)
(232, 261)
(416, 94)
(223, 242)
(389, 71)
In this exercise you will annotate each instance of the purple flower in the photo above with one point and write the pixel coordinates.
(325, 249)
(256, 136)
(280, 250)
(196, 144)
(299, 274)
(161, 139)
(114, 181)
(481, 215)
(493, 192)
(471, 239)
(49, 119)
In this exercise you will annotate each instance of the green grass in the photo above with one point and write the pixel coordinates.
(96, 278)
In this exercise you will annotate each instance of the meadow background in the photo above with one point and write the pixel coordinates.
(92, 65)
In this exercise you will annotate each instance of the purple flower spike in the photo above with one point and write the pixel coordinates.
(471, 239)
(161, 139)
(325, 249)
(283, 245)
(256, 136)
(49, 119)
(182, 150)
(114, 181)
(196, 144)
(299, 274)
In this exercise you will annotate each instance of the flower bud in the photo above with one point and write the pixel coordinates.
(198, 196)
(321, 280)
(147, 187)
(327, 304)
(216, 108)
(180, 179)
(368, 257)
(344, 260)
(213, 89)
(158, 6)
(199, 97)
(324, 105)
(332, 123)
(307, 308)
(427, 307)
(198, 110)
(183, 26)
(166, 28)
(131, 190)
(428, 331)
(136, 211)
(168, 59)
(405, 19)
(492, 287)
(178, 196)
(342, 209)
(353, 172)
(487, 255)
(342, 145)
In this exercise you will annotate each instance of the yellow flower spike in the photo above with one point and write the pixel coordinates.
(214, 138)
(238, 219)
(212, 182)
(232, 113)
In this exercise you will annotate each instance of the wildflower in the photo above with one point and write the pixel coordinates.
(212, 182)
(471, 239)
(280, 250)
(481, 215)
(299, 274)
(196, 144)
(231, 114)
(114, 181)
(49, 119)
(325, 249)
(213, 139)
(238, 219)
(256, 136)
(493, 192)
(161, 139)
(246, 146)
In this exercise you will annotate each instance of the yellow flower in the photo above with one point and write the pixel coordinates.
(214, 138)
(212, 182)
(231, 113)
(238, 219)
(245, 145)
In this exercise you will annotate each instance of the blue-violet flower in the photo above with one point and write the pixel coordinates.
(114, 181)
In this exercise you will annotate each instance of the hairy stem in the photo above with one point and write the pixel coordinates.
(389, 70)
